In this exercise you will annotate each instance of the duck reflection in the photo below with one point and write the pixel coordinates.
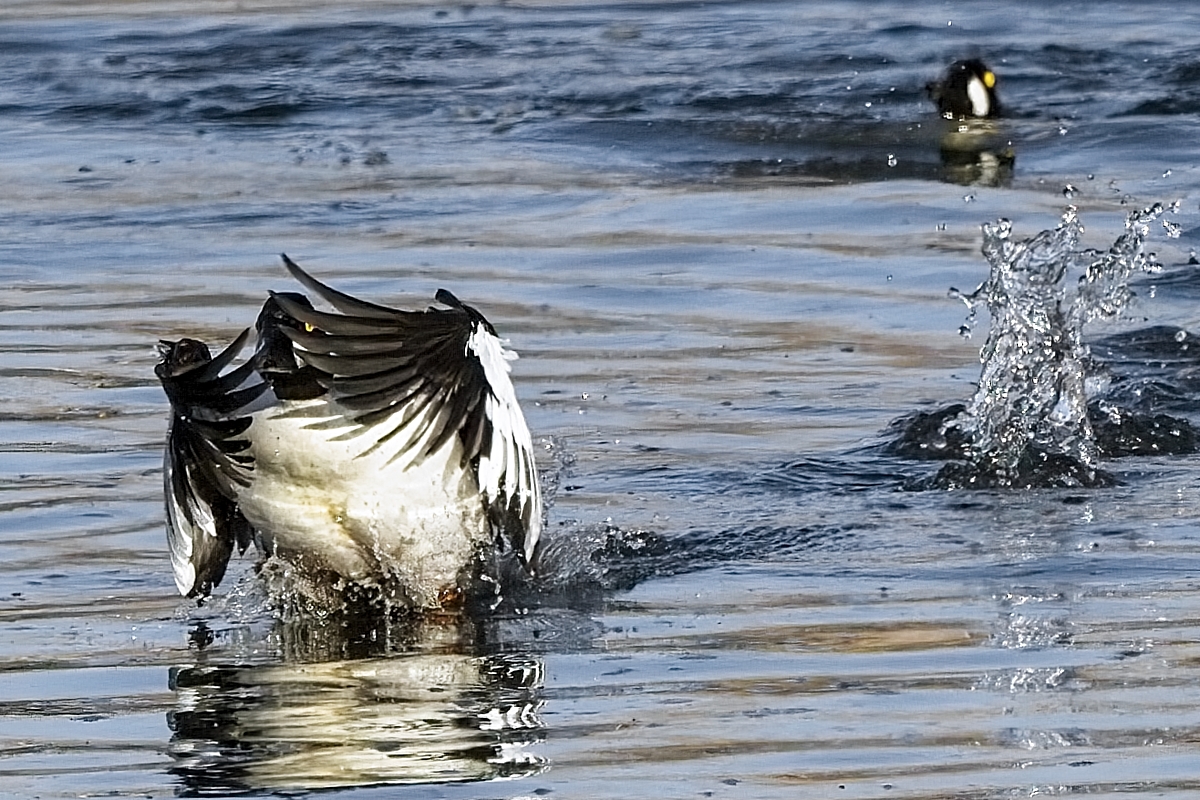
(428, 705)
(975, 153)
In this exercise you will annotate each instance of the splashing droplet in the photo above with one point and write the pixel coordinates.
(1068, 191)
(1028, 418)
(1112, 412)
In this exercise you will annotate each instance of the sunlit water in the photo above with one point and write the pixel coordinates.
(722, 238)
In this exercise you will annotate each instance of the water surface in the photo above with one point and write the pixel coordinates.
(722, 237)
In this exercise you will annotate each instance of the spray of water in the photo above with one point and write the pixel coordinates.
(1028, 422)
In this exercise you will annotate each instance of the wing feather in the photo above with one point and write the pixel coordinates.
(205, 461)
(345, 303)
(424, 377)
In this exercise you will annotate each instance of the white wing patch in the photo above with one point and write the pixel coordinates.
(181, 534)
(506, 469)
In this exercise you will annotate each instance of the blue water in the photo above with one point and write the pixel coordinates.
(721, 237)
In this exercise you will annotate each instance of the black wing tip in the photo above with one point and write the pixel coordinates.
(345, 303)
(447, 298)
(297, 272)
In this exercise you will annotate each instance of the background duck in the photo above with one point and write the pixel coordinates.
(974, 147)
(967, 89)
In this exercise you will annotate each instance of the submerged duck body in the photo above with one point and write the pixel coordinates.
(368, 447)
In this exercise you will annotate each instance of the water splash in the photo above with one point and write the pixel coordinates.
(1028, 422)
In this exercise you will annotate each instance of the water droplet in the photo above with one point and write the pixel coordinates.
(891, 160)
(1180, 335)
(867, 104)
(1068, 191)
(1062, 130)
(1030, 410)
(889, 277)
(1091, 177)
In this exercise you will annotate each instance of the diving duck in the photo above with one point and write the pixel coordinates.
(364, 446)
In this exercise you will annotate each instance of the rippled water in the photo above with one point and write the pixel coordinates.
(722, 238)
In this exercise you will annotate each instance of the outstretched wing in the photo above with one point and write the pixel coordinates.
(417, 378)
(205, 461)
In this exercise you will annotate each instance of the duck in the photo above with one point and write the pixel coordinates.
(365, 447)
(967, 90)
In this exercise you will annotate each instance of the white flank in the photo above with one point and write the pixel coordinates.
(509, 462)
(329, 495)
(977, 93)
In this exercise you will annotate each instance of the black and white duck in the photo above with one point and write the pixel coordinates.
(364, 447)
(975, 149)
(966, 90)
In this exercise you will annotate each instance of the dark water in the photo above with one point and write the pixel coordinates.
(722, 237)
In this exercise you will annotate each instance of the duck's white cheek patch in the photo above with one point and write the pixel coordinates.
(977, 93)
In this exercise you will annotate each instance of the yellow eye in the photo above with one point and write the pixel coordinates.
(989, 79)
(308, 327)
